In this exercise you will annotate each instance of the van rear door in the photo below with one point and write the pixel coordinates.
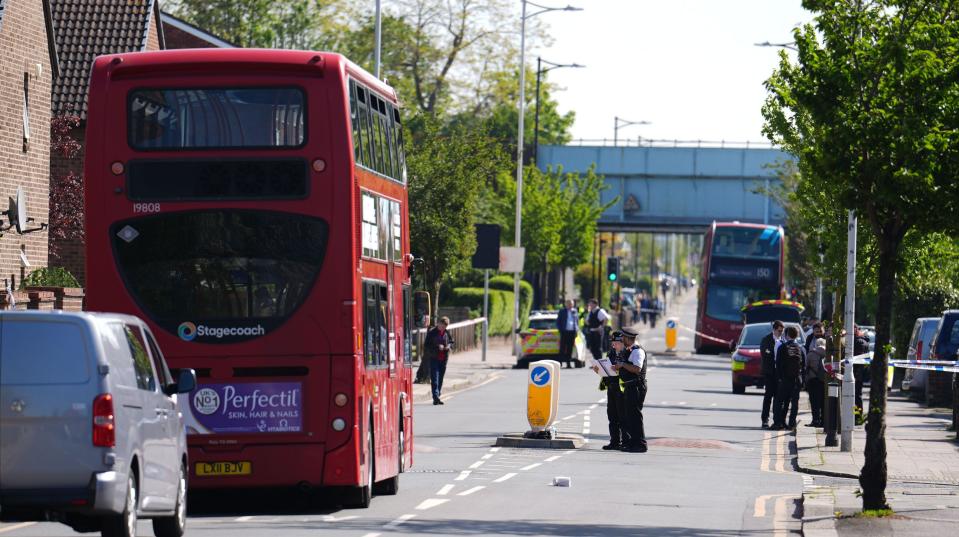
(47, 385)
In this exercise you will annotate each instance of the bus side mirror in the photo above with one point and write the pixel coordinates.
(421, 309)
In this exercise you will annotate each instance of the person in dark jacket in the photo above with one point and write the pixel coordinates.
(632, 374)
(818, 332)
(860, 346)
(767, 350)
(567, 322)
(815, 380)
(790, 360)
(437, 347)
(615, 400)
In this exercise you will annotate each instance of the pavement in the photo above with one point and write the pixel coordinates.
(923, 468)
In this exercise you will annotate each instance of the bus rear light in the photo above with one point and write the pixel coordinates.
(104, 424)
(340, 399)
(339, 424)
(116, 168)
(319, 165)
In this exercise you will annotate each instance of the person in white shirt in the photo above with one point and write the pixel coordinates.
(596, 321)
(567, 322)
(632, 374)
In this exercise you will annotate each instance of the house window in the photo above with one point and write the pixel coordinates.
(26, 111)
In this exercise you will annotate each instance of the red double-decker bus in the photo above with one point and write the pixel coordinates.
(741, 263)
(251, 205)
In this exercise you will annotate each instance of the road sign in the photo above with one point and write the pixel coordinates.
(542, 396)
(511, 258)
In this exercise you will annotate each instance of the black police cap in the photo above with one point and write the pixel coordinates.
(629, 332)
(616, 336)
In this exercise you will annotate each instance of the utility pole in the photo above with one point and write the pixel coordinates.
(379, 40)
(848, 377)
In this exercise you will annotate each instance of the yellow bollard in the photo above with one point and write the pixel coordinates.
(542, 396)
(671, 337)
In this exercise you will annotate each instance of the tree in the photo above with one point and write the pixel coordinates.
(582, 207)
(66, 190)
(869, 109)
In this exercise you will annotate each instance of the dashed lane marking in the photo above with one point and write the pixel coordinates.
(430, 503)
(244, 519)
(593, 406)
(553, 458)
(494, 449)
(568, 417)
(505, 477)
(463, 475)
(487, 456)
(531, 466)
(398, 520)
(371, 535)
(476, 465)
(471, 491)
(445, 490)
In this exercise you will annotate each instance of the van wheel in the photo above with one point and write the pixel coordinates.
(124, 524)
(362, 495)
(174, 526)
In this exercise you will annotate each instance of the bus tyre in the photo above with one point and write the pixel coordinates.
(391, 485)
(124, 524)
(739, 388)
(174, 526)
(363, 494)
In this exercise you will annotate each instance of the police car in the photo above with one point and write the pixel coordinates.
(540, 341)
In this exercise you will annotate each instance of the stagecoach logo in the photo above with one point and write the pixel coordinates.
(189, 331)
(206, 401)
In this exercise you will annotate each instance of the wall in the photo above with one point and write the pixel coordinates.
(23, 49)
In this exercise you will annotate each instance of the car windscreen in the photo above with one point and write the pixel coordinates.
(542, 324)
(770, 313)
(195, 118)
(724, 302)
(220, 276)
(753, 334)
(42, 352)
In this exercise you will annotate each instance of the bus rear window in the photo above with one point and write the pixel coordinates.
(762, 243)
(200, 118)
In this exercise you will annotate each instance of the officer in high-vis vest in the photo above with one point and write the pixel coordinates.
(595, 322)
(615, 400)
(632, 373)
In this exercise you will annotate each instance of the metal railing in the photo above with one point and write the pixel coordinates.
(652, 142)
(468, 335)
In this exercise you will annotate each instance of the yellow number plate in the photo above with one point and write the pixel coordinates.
(739, 366)
(224, 468)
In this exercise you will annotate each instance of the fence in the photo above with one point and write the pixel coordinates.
(467, 335)
(651, 142)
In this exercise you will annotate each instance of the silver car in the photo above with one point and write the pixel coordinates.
(91, 433)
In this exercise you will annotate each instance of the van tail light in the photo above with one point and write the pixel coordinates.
(104, 424)
(919, 350)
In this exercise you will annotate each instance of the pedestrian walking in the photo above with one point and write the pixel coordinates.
(632, 374)
(656, 306)
(567, 322)
(596, 321)
(644, 308)
(437, 346)
(815, 379)
(767, 350)
(789, 364)
(615, 399)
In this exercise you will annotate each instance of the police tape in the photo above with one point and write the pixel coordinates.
(928, 365)
(704, 336)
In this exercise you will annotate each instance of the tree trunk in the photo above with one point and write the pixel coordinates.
(874, 472)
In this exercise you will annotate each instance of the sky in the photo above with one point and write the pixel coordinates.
(689, 67)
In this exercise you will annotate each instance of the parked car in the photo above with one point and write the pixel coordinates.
(540, 341)
(767, 311)
(920, 346)
(747, 364)
(91, 433)
(945, 347)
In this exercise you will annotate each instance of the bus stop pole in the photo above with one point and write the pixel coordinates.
(485, 310)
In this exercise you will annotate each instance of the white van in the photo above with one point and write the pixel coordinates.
(91, 433)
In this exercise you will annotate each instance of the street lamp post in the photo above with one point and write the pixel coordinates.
(619, 123)
(519, 146)
(539, 73)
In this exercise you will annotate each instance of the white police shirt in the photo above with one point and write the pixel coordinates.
(637, 356)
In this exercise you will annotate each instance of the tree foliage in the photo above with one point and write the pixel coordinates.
(66, 189)
(870, 110)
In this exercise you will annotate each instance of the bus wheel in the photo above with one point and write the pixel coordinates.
(391, 485)
(362, 495)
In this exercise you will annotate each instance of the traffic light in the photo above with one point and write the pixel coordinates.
(612, 268)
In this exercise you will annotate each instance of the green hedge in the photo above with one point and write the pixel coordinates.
(500, 306)
(50, 277)
(505, 283)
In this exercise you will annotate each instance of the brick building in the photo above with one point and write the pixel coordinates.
(28, 66)
(85, 30)
(179, 33)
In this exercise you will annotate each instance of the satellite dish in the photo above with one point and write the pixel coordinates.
(17, 214)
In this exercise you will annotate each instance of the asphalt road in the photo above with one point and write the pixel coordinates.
(710, 469)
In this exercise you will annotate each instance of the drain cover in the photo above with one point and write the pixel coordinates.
(690, 443)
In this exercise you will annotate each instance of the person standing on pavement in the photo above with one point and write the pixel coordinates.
(655, 307)
(632, 374)
(860, 346)
(595, 327)
(437, 346)
(615, 400)
(790, 359)
(767, 350)
(817, 333)
(567, 322)
(816, 380)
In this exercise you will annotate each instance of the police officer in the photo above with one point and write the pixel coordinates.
(632, 373)
(615, 400)
(596, 321)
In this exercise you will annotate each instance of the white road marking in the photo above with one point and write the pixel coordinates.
(445, 490)
(244, 519)
(494, 449)
(398, 520)
(712, 404)
(487, 456)
(531, 466)
(568, 417)
(430, 503)
(585, 430)
(505, 477)
(17, 527)
(553, 458)
(568, 452)
(463, 475)
(472, 490)
(682, 402)
(594, 405)
(603, 400)
(476, 465)
(371, 535)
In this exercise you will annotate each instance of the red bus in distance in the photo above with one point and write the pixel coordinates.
(741, 263)
(251, 205)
